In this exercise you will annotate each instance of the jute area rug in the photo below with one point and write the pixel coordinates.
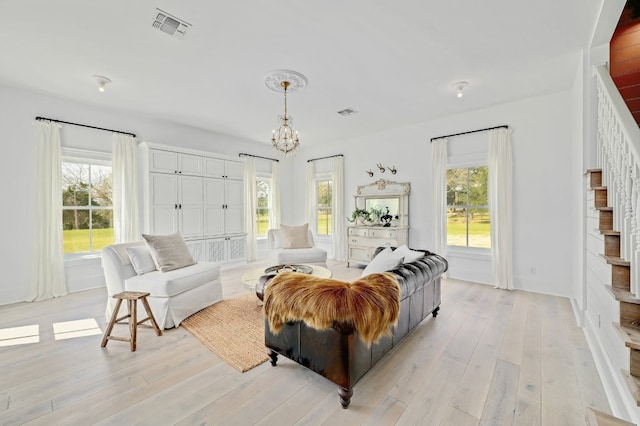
(233, 329)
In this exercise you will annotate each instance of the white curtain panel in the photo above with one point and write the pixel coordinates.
(275, 195)
(126, 205)
(338, 228)
(310, 196)
(439, 182)
(48, 261)
(500, 206)
(250, 206)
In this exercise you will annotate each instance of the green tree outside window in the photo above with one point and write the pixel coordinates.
(468, 221)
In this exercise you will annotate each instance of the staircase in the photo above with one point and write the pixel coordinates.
(612, 247)
(628, 326)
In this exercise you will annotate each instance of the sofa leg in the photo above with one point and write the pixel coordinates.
(345, 396)
(274, 357)
(435, 312)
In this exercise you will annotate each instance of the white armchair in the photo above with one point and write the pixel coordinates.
(279, 255)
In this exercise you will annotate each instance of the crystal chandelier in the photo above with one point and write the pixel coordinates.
(284, 139)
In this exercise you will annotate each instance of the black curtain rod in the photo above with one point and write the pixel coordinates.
(471, 131)
(83, 125)
(257, 156)
(323, 158)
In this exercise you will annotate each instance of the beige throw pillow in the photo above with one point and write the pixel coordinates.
(294, 237)
(169, 252)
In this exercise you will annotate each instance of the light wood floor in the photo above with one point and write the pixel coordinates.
(492, 357)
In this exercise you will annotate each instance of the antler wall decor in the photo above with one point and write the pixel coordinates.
(382, 169)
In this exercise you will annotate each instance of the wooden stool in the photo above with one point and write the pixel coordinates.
(132, 298)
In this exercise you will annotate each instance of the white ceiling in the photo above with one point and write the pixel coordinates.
(393, 62)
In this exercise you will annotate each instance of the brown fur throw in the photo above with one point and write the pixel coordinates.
(371, 304)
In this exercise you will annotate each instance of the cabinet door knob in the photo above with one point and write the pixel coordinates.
(179, 206)
(175, 206)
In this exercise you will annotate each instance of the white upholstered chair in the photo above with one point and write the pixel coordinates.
(278, 255)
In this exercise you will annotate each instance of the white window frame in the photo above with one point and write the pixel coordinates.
(323, 177)
(266, 177)
(96, 158)
(466, 251)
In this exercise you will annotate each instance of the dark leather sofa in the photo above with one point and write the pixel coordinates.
(338, 353)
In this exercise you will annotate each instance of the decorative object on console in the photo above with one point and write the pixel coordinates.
(285, 139)
(386, 218)
(359, 216)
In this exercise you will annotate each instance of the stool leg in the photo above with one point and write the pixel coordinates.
(133, 324)
(145, 303)
(112, 321)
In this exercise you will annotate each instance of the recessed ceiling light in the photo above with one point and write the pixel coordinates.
(459, 86)
(102, 81)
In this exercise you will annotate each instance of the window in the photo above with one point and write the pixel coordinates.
(263, 206)
(468, 222)
(324, 206)
(87, 209)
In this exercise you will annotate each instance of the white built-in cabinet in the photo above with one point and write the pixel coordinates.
(198, 194)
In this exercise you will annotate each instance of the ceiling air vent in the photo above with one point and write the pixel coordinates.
(347, 111)
(167, 23)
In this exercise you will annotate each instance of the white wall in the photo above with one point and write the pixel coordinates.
(18, 108)
(542, 132)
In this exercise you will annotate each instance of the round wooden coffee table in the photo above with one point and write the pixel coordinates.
(250, 279)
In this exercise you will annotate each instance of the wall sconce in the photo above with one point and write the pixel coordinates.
(393, 170)
(382, 169)
(369, 172)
